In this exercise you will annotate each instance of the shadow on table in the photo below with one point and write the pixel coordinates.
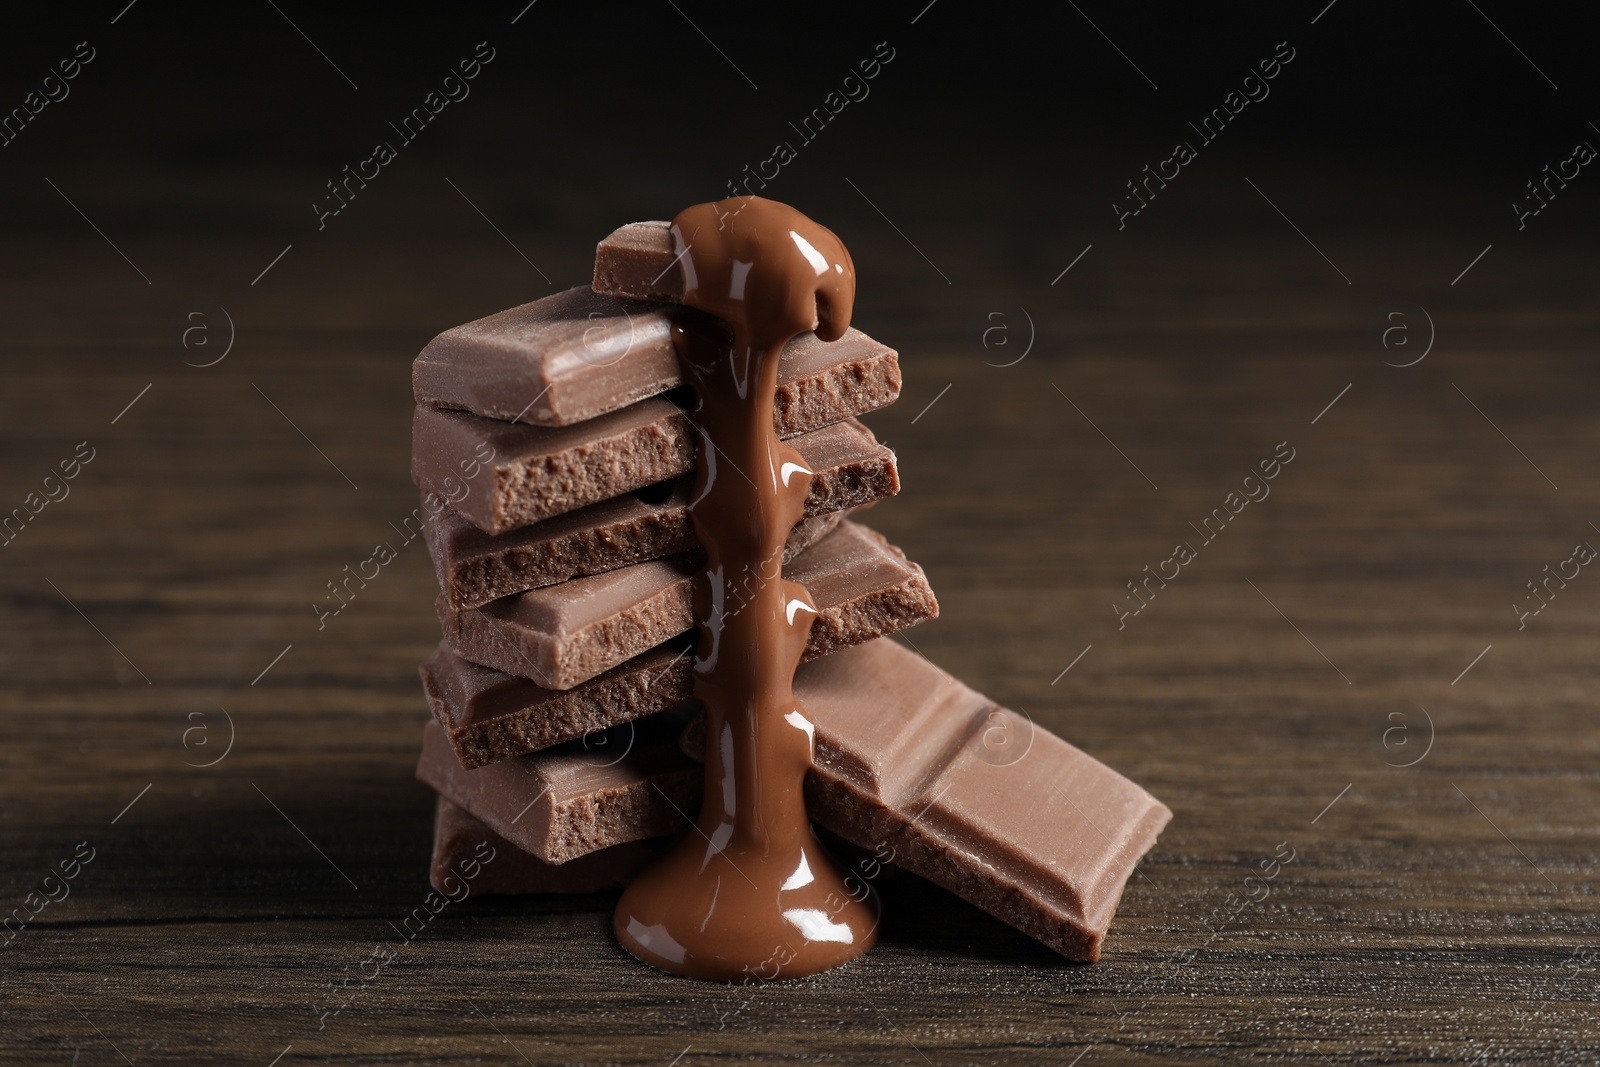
(319, 847)
(927, 918)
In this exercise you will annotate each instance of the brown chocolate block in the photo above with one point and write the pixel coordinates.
(636, 260)
(488, 715)
(501, 475)
(469, 859)
(474, 568)
(579, 354)
(973, 796)
(572, 801)
(563, 635)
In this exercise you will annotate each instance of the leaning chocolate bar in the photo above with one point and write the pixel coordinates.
(973, 796)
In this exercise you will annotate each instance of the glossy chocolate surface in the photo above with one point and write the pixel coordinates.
(750, 893)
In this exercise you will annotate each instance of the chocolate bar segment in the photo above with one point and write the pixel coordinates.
(469, 859)
(573, 801)
(489, 715)
(474, 568)
(552, 362)
(563, 635)
(501, 475)
(579, 354)
(637, 260)
(973, 796)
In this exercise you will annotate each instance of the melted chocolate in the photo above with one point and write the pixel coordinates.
(749, 894)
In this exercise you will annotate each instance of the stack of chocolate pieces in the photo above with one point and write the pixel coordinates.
(555, 461)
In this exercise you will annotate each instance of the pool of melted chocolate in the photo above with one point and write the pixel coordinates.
(749, 894)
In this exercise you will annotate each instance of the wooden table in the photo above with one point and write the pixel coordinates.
(1338, 676)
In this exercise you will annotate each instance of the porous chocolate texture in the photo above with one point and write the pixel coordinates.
(629, 784)
(563, 635)
(474, 568)
(488, 715)
(469, 859)
(501, 475)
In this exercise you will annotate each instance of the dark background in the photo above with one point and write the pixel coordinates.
(1401, 134)
(1018, 125)
(1412, 106)
(1436, 912)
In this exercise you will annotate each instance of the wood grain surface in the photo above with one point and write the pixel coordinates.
(1385, 837)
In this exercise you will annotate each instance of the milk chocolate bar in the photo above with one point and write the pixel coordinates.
(579, 354)
(501, 475)
(637, 260)
(470, 858)
(575, 800)
(926, 772)
(489, 715)
(973, 796)
(563, 635)
(474, 568)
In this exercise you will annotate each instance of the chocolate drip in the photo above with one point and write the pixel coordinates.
(749, 893)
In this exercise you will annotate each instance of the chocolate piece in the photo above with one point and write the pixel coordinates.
(563, 635)
(579, 354)
(572, 801)
(973, 796)
(638, 260)
(474, 568)
(471, 859)
(501, 475)
(489, 715)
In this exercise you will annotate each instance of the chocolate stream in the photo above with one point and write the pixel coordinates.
(751, 894)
